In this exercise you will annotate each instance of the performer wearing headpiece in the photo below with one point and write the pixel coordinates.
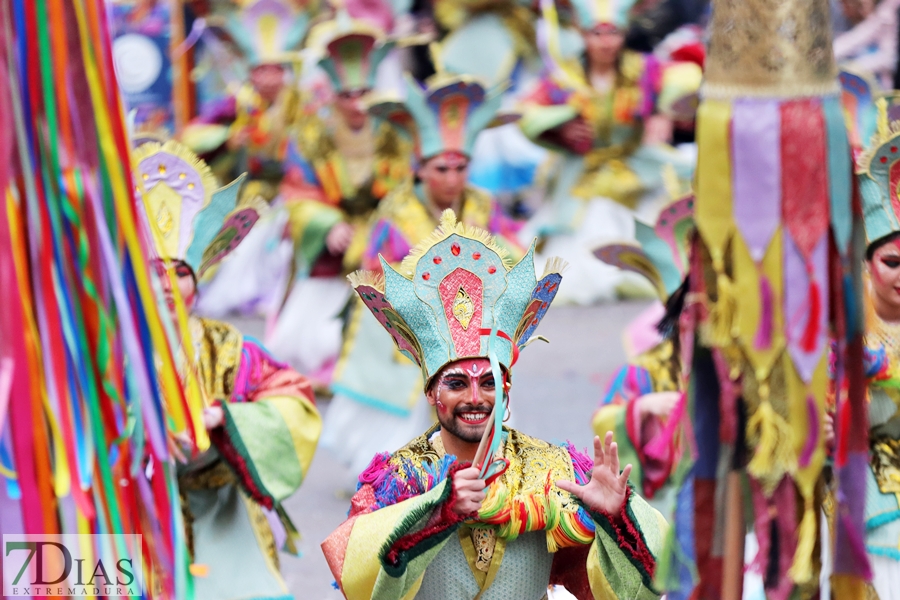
(459, 513)
(247, 131)
(881, 216)
(340, 164)
(378, 403)
(260, 414)
(773, 287)
(643, 400)
(607, 114)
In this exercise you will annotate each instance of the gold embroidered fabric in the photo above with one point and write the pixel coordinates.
(484, 539)
(405, 211)
(662, 367)
(534, 465)
(218, 348)
(777, 48)
(885, 459)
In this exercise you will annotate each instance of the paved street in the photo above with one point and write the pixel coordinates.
(556, 387)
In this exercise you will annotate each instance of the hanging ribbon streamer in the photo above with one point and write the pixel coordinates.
(91, 358)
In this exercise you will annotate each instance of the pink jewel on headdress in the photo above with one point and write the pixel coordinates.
(492, 269)
(455, 249)
(437, 260)
(426, 276)
(476, 255)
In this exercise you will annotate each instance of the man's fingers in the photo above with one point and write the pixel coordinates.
(614, 458)
(626, 472)
(569, 486)
(598, 451)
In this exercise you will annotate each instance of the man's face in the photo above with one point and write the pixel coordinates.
(268, 80)
(445, 178)
(463, 394)
(350, 107)
(184, 279)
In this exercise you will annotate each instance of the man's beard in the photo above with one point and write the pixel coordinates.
(453, 424)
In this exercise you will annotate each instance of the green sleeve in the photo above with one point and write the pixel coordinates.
(539, 119)
(622, 559)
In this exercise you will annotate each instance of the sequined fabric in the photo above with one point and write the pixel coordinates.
(218, 349)
(770, 47)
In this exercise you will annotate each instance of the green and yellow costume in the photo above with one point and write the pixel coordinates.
(261, 453)
(403, 539)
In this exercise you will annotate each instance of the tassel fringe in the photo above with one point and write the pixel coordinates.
(723, 313)
(773, 453)
(372, 279)
(555, 265)
(801, 570)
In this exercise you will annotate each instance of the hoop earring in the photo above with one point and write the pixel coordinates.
(507, 414)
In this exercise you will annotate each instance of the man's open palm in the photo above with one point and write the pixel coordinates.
(605, 492)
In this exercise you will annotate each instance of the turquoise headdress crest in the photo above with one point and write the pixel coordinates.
(268, 31)
(452, 292)
(191, 219)
(661, 251)
(878, 173)
(590, 13)
(352, 51)
(450, 112)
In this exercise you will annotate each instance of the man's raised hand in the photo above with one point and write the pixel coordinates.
(605, 492)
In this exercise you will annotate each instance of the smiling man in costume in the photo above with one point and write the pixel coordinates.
(378, 403)
(425, 523)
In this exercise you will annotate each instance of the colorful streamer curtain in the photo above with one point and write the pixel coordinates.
(89, 390)
(775, 284)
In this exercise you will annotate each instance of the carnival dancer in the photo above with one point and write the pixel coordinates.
(608, 120)
(644, 393)
(377, 403)
(882, 226)
(247, 131)
(259, 413)
(458, 513)
(340, 164)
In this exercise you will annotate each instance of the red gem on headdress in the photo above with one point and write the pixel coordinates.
(884, 159)
(455, 249)
(476, 255)
(437, 260)
(893, 148)
(492, 269)
(426, 276)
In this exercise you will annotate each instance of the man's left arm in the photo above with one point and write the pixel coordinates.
(628, 532)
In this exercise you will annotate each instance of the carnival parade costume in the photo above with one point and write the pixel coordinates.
(774, 285)
(334, 175)
(882, 508)
(378, 404)
(661, 256)
(248, 130)
(589, 190)
(456, 295)
(262, 451)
